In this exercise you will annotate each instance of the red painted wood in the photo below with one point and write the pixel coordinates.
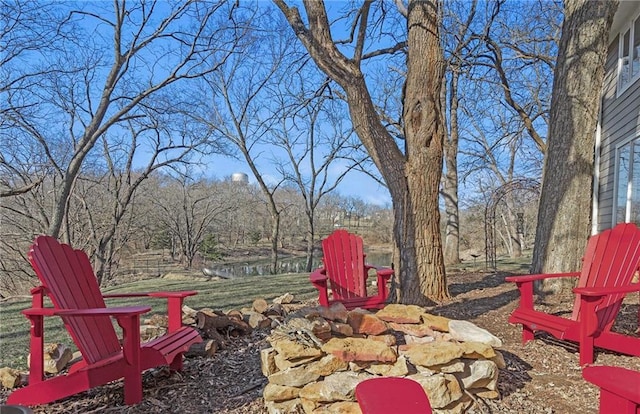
(68, 280)
(619, 388)
(344, 272)
(389, 395)
(611, 259)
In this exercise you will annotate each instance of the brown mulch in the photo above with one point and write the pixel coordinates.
(541, 377)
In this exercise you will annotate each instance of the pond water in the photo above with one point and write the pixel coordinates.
(285, 265)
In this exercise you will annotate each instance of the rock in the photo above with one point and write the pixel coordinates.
(477, 350)
(442, 389)
(359, 349)
(284, 299)
(457, 407)
(499, 360)
(439, 323)
(336, 387)
(365, 322)
(11, 378)
(294, 377)
(434, 353)
(340, 328)
(410, 339)
(357, 366)
(336, 312)
(327, 365)
(482, 393)
(451, 367)
(387, 339)
(479, 374)
(292, 350)
(267, 361)
(56, 357)
(401, 313)
(467, 331)
(273, 392)
(322, 329)
(283, 363)
(342, 407)
(397, 369)
(417, 330)
(286, 407)
(308, 406)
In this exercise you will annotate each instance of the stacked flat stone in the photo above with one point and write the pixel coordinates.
(318, 356)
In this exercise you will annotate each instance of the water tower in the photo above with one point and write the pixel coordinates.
(240, 178)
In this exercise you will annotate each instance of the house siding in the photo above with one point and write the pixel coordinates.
(620, 121)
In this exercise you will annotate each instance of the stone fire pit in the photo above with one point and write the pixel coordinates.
(319, 355)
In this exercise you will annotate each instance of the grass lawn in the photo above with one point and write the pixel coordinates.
(225, 294)
(219, 294)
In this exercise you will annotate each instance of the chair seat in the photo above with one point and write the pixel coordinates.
(389, 395)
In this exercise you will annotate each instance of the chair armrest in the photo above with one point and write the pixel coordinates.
(318, 276)
(116, 311)
(541, 276)
(174, 303)
(385, 272)
(604, 291)
(179, 294)
(525, 285)
(617, 380)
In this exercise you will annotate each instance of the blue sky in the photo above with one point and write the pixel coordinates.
(355, 184)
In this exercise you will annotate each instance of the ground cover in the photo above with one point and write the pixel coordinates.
(542, 377)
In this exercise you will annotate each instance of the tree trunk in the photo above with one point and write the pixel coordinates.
(275, 234)
(564, 214)
(450, 179)
(413, 175)
(311, 235)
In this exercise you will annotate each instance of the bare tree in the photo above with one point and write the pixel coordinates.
(564, 219)
(412, 174)
(457, 35)
(189, 210)
(240, 111)
(103, 71)
(318, 142)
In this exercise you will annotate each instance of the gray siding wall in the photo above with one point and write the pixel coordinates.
(620, 121)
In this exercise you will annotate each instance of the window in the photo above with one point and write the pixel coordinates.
(629, 55)
(628, 183)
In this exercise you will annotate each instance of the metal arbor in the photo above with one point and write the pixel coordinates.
(523, 184)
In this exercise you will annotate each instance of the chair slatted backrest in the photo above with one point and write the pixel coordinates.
(611, 260)
(344, 261)
(71, 284)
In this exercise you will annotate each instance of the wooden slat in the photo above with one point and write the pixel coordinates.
(610, 260)
(69, 279)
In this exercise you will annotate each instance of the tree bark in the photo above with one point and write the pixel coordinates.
(564, 214)
(450, 179)
(413, 177)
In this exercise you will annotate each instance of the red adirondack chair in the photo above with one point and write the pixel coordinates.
(619, 389)
(345, 272)
(389, 395)
(68, 279)
(610, 262)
